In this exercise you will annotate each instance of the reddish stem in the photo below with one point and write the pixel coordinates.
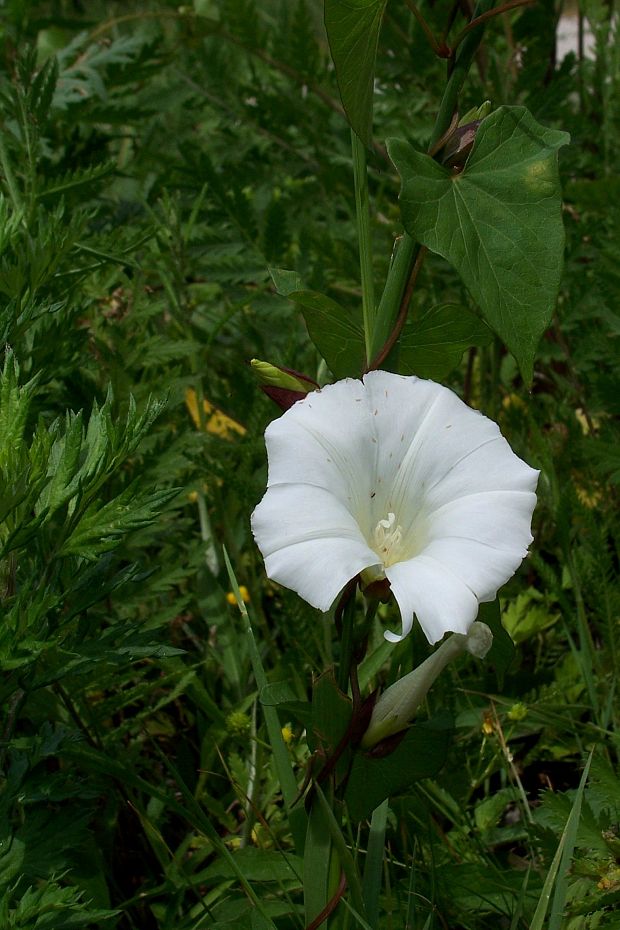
(331, 905)
(484, 17)
(440, 48)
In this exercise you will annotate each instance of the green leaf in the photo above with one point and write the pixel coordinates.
(101, 527)
(277, 692)
(420, 755)
(336, 332)
(258, 865)
(559, 871)
(502, 652)
(433, 345)
(331, 716)
(353, 28)
(280, 694)
(498, 222)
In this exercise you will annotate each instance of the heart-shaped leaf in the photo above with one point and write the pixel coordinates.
(420, 755)
(433, 344)
(353, 28)
(336, 332)
(498, 222)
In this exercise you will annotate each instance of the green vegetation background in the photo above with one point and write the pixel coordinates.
(155, 160)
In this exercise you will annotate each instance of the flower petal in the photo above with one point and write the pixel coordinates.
(434, 448)
(441, 601)
(481, 567)
(324, 440)
(500, 519)
(310, 542)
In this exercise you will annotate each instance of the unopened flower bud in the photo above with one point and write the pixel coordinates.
(283, 385)
(476, 113)
(398, 705)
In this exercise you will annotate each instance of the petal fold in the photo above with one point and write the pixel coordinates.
(310, 542)
(442, 602)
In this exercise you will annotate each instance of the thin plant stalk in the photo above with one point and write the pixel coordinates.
(281, 758)
(362, 210)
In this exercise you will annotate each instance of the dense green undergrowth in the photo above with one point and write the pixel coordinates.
(156, 161)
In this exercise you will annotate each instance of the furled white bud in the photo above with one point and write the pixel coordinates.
(398, 705)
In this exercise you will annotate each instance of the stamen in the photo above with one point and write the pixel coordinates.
(387, 538)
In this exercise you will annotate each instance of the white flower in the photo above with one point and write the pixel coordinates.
(397, 476)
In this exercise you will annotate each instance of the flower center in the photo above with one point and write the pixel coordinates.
(387, 538)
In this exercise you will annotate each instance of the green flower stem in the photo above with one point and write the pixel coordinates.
(403, 258)
(347, 642)
(281, 758)
(373, 868)
(362, 209)
(206, 532)
(462, 64)
(406, 249)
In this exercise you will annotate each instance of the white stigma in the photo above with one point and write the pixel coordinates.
(387, 539)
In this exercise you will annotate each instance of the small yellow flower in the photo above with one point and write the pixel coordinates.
(287, 735)
(214, 421)
(610, 881)
(590, 498)
(586, 423)
(243, 591)
(513, 401)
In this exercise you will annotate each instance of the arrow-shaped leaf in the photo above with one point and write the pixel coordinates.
(498, 222)
(433, 344)
(353, 28)
(337, 333)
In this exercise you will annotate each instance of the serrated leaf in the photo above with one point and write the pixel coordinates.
(42, 90)
(336, 332)
(433, 345)
(102, 527)
(14, 407)
(353, 28)
(498, 222)
(72, 179)
(420, 755)
(63, 467)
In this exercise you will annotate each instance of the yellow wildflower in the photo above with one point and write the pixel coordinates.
(513, 401)
(215, 421)
(243, 591)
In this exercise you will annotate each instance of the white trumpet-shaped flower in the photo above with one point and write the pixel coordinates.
(395, 477)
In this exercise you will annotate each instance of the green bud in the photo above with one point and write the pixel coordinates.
(518, 711)
(476, 113)
(272, 376)
(238, 723)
